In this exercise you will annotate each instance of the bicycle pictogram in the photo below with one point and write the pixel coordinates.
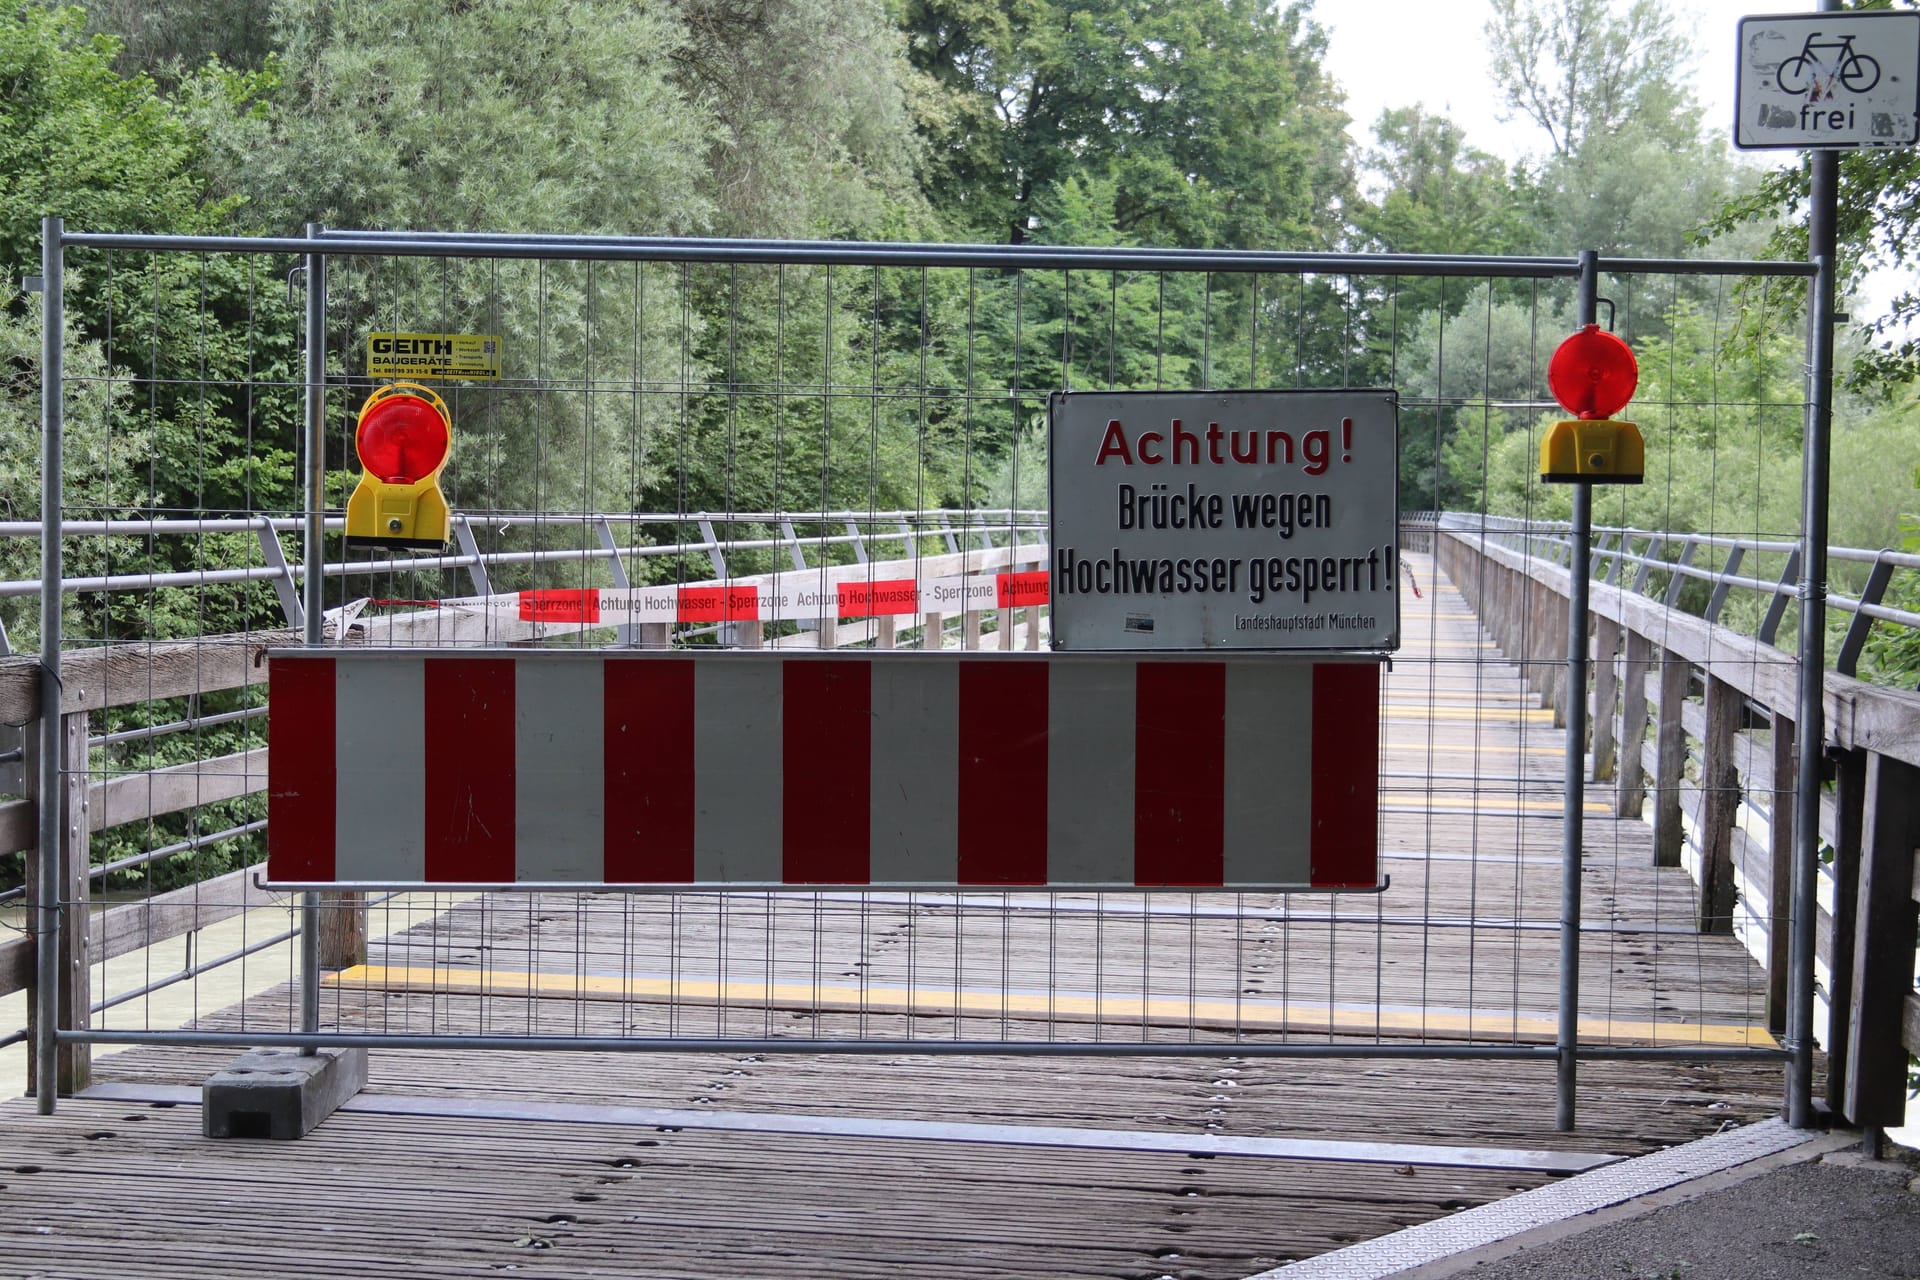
(1814, 71)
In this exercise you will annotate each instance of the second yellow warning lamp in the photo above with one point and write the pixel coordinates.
(404, 438)
(1593, 374)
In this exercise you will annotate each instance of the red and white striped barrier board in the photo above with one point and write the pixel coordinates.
(732, 770)
(795, 599)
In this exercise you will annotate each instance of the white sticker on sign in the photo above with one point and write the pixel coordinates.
(1225, 520)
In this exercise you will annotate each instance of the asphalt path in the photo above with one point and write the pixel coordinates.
(1835, 1217)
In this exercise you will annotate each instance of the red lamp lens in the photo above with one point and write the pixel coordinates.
(402, 439)
(1593, 373)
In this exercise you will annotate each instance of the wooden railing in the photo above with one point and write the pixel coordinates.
(1715, 774)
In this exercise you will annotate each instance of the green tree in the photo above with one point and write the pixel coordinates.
(813, 108)
(109, 154)
(1429, 191)
(1213, 121)
(1877, 226)
(1437, 194)
(521, 115)
(171, 39)
(80, 140)
(1462, 365)
(1628, 167)
(1583, 69)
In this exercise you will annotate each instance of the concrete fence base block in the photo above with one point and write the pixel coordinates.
(277, 1093)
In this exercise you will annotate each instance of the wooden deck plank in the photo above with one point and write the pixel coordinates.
(436, 1197)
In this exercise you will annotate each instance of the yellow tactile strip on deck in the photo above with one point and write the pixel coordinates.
(1246, 1015)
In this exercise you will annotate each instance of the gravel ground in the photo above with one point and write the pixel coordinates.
(1826, 1219)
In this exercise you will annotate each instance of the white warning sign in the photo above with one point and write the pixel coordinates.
(1225, 520)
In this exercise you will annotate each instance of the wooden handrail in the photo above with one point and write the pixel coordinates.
(1873, 733)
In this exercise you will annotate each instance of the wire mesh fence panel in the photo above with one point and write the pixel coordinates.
(761, 425)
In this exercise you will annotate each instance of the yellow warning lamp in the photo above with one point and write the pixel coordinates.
(404, 438)
(1593, 374)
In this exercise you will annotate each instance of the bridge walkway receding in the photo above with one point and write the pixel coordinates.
(462, 1162)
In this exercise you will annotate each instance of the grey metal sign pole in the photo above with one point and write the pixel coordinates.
(1820, 82)
(1567, 1037)
(1816, 456)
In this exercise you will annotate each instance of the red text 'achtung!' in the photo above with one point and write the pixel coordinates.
(1311, 451)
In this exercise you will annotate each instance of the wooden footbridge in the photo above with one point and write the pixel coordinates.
(1420, 1021)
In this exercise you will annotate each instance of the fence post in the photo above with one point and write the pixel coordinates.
(1630, 790)
(50, 750)
(1606, 695)
(333, 926)
(71, 974)
(1573, 704)
(1670, 743)
(1883, 948)
(1719, 806)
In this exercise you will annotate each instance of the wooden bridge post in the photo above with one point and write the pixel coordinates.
(886, 632)
(1606, 696)
(1849, 839)
(932, 625)
(1719, 806)
(1883, 946)
(1506, 622)
(1630, 791)
(343, 929)
(1540, 658)
(73, 1063)
(1780, 872)
(656, 635)
(1506, 609)
(1479, 583)
(1559, 640)
(1481, 587)
(1670, 757)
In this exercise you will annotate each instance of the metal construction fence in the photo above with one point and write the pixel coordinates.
(691, 412)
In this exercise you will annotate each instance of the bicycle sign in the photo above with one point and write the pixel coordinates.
(1823, 65)
(1829, 80)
